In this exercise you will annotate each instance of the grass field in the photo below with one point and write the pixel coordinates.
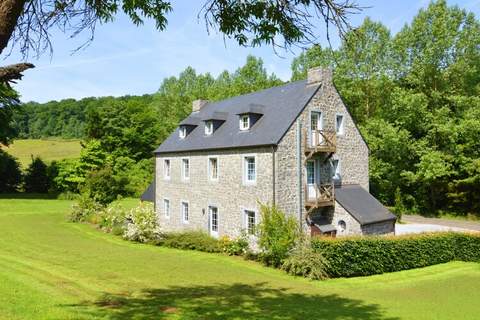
(53, 269)
(48, 150)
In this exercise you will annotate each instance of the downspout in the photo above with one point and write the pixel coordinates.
(273, 177)
(299, 174)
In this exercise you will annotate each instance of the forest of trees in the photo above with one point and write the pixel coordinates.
(415, 96)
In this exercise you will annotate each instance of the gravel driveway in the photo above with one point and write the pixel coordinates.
(418, 224)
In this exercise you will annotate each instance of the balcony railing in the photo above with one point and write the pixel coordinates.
(319, 195)
(320, 141)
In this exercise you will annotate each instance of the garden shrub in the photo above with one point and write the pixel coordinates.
(84, 209)
(112, 217)
(191, 240)
(101, 186)
(141, 224)
(363, 256)
(306, 262)
(278, 234)
(234, 247)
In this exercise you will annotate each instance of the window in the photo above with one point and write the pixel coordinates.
(250, 170)
(213, 214)
(339, 124)
(213, 168)
(244, 122)
(336, 170)
(208, 128)
(185, 211)
(185, 169)
(166, 169)
(310, 172)
(250, 222)
(166, 208)
(183, 132)
(342, 226)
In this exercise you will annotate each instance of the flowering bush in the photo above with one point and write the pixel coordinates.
(112, 217)
(141, 224)
(234, 247)
(84, 209)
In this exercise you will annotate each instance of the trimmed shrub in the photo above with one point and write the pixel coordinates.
(306, 262)
(101, 186)
(191, 240)
(278, 234)
(234, 247)
(141, 224)
(363, 256)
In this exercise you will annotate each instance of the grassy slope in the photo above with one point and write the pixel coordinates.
(52, 269)
(48, 150)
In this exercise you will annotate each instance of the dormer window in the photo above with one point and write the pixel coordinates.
(244, 122)
(208, 127)
(183, 132)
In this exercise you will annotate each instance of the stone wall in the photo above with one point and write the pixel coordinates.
(229, 194)
(386, 227)
(352, 150)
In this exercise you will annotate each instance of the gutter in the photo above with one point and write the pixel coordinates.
(299, 174)
(273, 176)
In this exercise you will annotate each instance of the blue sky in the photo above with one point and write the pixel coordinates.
(125, 59)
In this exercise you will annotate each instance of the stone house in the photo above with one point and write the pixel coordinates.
(295, 146)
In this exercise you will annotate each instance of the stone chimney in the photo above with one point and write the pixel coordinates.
(198, 104)
(319, 75)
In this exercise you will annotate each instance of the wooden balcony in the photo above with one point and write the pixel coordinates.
(317, 196)
(319, 141)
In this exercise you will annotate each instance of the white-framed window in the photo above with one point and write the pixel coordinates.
(336, 173)
(342, 226)
(250, 169)
(213, 168)
(208, 127)
(185, 168)
(250, 222)
(339, 124)
(182, 132)
(213, 216)
(244, 122)
(166, 169)
(166, 207)
(185, 211)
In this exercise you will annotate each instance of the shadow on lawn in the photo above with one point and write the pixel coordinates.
(226, 302)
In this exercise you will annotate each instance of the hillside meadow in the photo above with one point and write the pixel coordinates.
(54, 269)
(47, 149)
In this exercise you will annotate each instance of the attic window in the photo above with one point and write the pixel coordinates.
(183, 132)
(208, 127)
(244, 122)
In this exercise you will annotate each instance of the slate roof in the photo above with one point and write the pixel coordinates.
(322, 223)
(149, 193)
(279, 106)
(362, 205)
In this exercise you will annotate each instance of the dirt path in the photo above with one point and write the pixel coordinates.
(470, 225)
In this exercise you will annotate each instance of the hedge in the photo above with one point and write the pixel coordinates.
(350, 257)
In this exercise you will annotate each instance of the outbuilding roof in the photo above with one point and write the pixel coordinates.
(149, 193)
(362, 205)
(279, 107)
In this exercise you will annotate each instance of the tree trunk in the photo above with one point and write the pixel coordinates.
(10, 11)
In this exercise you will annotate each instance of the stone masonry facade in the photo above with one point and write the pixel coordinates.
(229, 194)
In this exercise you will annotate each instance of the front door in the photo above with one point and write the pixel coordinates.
(213, 217)
(311, 190)
(315, 128)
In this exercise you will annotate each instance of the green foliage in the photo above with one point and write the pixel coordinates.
(84, 209)
(235, 247)
(10, 173)
(278, 234)
(141, 224)
(9, 102)
(101, 186)
(415, 96)
(191, 240)
(37, 178)
(363, 256)
(112, 218)
(306, 262)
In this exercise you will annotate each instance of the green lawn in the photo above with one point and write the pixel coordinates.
(48, 150)
(53, 269)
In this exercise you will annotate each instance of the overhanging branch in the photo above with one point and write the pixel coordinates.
(13, 72)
